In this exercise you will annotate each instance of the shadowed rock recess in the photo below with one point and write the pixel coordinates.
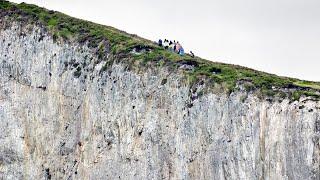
(76, 104)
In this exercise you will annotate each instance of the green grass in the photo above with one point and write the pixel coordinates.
(102, 38)
(67, 27)
(308, 84)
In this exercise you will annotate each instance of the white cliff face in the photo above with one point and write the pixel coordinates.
(60, 118)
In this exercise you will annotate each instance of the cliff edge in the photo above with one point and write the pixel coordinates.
(80, 100)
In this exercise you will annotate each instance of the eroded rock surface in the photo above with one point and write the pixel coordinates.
(61, 117)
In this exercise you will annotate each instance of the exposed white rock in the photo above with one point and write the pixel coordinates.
(60, 118)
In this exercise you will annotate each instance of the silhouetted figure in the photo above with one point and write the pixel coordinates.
(160, 42)
(192, 55)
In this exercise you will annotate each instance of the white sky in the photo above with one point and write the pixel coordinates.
(276, 36)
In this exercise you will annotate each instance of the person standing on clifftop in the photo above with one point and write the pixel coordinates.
(166, 44)
(178, 46)
(181, 51)
(171, 46)
(192, 55)
(160, 42)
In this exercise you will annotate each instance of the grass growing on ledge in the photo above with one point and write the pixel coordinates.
(106, 38)
(307, 84)
(231, 74)
(67, 27)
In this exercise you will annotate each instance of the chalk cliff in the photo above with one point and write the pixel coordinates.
(68, 112)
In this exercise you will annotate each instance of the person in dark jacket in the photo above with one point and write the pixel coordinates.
(160, 42)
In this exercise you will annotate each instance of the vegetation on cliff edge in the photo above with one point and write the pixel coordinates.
(108, 39)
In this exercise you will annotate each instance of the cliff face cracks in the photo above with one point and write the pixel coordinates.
(61, 117)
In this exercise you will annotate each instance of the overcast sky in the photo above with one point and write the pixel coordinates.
(276, 36)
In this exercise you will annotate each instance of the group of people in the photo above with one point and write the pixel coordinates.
(173, 46)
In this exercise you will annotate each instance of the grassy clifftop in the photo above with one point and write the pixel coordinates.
(108, 39)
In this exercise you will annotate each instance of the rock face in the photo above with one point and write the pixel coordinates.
(61, 117)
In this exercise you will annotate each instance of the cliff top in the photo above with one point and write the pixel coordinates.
(145, 53)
